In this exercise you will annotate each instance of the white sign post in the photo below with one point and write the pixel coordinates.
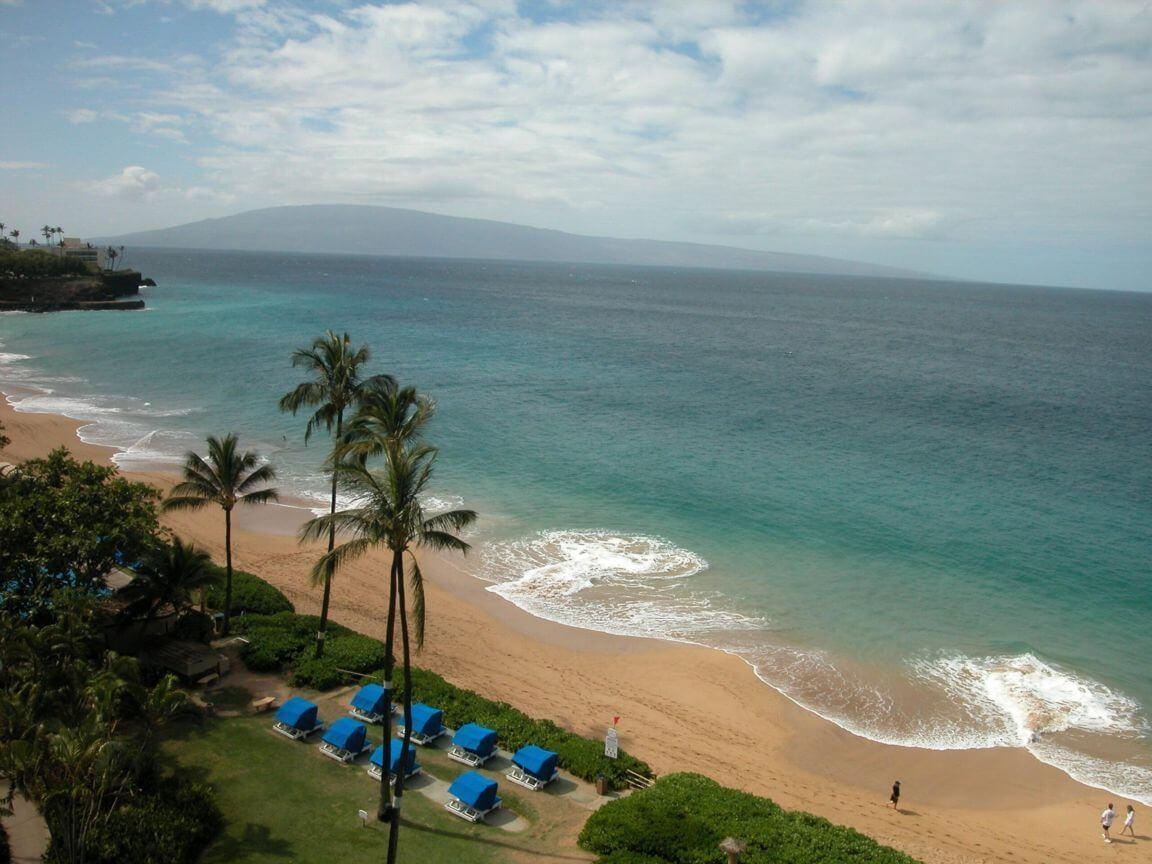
(611, 744)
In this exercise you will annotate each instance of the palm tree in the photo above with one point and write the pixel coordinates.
(15, 235)
(334, 387)
(390, 515)
(47, 231)
(226, 478)
(386, 419)
(168, 576)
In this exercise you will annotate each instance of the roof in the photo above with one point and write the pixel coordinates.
(377, 757)
(298, 713)
(426, 720)
(536, 761)
(475, 790)
(346, 734)
(371, 699)
(394, 756)
(475, 738)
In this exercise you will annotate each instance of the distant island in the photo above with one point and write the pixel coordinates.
(365, 230)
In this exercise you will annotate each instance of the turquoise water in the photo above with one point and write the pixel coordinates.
(919, 509)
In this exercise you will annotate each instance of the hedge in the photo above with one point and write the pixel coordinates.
(683, 818)
(581, 756)
(285, 643)
(251, 595)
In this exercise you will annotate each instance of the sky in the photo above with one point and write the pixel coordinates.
(1006, 141)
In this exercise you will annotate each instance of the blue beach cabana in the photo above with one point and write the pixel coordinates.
(533, 767)
(427, 723)
(297, 718)
(376, 762)
(473, 796)
(473, 745)
(370, 704)
(345, 740)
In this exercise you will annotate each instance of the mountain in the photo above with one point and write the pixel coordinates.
(364, 230)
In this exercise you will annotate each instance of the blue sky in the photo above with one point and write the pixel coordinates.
(1006, 141)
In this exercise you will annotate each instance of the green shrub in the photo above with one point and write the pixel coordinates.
(251, 595)
(5, 852)
(171, 824)
(31, 263)
(630, 858)
(354, 652)
(319, 674)
(683, 818)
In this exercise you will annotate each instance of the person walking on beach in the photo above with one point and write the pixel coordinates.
(1106, 821)
(1128, 820)
(895, 799)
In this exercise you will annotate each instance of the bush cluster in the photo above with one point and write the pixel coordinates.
(285, 643)
(38, 263)
(683, 818)
(251, 595)
(171, 824)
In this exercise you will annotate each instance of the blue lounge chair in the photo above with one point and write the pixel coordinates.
(427, 724)
(533, 767)
(370, 704)
(473, 745)
(376, 762)
(473, 796)
(345, 740)
(297, 719)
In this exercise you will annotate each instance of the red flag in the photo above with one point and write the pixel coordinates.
(615, 720)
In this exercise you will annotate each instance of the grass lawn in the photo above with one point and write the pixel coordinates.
(284, 801)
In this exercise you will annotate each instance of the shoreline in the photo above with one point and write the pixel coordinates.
(683, 707)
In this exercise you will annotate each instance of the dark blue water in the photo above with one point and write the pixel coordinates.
(923, 509)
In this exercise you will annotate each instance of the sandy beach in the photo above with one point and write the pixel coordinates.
(681, 707)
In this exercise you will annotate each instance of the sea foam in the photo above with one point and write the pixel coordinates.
(1027, 698)
(624, 584)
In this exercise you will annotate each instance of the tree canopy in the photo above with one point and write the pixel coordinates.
(63, 525)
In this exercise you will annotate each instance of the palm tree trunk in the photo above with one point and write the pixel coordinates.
(320, 633)
(228, 570)
(384, 811)
(406, 659)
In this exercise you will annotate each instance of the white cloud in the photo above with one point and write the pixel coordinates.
(134, 183)
(81, 115)
(225, 7)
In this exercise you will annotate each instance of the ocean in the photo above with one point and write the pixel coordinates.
(922, 510)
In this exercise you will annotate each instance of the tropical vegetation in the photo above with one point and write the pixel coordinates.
(335, 386)
(225, 478)
(683, 818)
(166, 578)
(63, 525)
(78, 734)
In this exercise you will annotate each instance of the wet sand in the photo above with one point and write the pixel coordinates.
(682, 708)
